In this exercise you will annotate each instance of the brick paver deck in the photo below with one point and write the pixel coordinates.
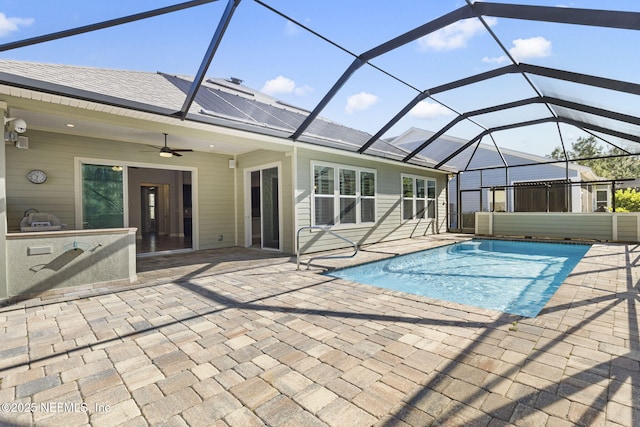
(239, 337)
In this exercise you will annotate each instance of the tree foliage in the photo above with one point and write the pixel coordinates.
(627, 200)
(607, 166)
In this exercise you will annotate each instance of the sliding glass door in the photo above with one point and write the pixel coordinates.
(102, 196)
(262, 206)
(270, 209)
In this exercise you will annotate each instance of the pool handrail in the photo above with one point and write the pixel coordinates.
(326, 230)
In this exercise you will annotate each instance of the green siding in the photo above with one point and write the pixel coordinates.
(627, 228)
(558, 226)
(56, 153)
(621, 227)
(389, 224)
(483, 223)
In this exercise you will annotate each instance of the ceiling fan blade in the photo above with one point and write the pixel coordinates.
(167, 151)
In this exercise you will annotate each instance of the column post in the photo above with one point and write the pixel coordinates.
(4, 279)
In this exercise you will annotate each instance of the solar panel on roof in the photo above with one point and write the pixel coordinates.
(225, 103)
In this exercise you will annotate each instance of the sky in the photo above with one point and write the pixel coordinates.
(298, 62)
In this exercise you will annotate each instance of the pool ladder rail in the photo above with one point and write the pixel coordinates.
(326, 230)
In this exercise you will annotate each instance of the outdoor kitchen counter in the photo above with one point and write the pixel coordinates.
(43, 260)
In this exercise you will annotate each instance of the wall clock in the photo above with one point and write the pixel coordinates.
(37, 176)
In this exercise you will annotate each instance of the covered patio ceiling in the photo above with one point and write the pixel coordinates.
(528, 77)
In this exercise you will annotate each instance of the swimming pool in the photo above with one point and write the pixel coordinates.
(510, 276)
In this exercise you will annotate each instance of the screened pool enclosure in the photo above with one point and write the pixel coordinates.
(484, 91)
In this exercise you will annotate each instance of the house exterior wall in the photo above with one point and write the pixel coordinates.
(56, 154)
(220, 189)
(53, 154)
(216, 222)
(389, 224)
(586, 197)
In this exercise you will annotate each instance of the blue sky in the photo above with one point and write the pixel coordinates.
(271, 54)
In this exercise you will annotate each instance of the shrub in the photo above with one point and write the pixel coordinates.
(627, 200)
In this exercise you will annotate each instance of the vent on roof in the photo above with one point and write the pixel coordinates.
(235, 80)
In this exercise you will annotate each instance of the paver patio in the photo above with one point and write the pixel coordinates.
(239, 337)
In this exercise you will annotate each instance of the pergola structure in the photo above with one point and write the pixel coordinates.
(579, 105)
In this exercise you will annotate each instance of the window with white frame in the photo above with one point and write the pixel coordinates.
(367, 196)
(351, 201)
(324, 195)
(418, 197)
(602, 199)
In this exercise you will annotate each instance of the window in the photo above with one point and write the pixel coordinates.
(367, 197)
(152, 204)
(418, 197)
(352, 201)
(324, 195)
(407, 198)
(602, 200)
(498, 200)
(348, 198)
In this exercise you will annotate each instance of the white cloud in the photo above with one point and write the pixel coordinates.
(454, 36)
(495, 60)
(303, 90)
(9, 25)
(535, 47)
(282, 84)
(291, 29)
(429, 110)
(360, 101)
(523, 49)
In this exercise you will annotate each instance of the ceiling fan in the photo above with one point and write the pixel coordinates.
(166, 151)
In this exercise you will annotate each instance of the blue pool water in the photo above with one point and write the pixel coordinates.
(512, 277)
